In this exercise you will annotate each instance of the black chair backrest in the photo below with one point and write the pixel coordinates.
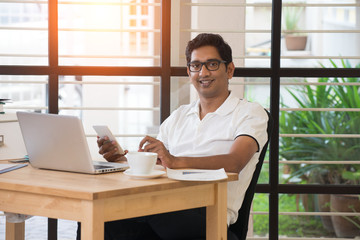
(240, 227)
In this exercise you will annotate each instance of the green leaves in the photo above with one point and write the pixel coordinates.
(291, 17)
(337, 94)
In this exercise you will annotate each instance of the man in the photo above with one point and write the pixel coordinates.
(217, 131)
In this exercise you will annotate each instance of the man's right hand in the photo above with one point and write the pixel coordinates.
(109, 150)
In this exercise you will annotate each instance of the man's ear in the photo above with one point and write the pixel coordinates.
(188, 72)
(230, 70)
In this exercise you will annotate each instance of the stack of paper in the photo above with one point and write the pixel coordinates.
(196, 174)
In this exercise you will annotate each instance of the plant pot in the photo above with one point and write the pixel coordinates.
(295, 43)
(324, 206)
(343, 226)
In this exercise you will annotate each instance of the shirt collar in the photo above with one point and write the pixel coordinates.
(195, 108)
(227, 107)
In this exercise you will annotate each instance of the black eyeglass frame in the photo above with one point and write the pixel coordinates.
(205, 63)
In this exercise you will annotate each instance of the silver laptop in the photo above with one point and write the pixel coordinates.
(58, 142)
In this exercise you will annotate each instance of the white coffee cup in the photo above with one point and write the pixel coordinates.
(141, 162)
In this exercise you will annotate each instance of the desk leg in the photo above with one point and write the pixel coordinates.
(216, 215)
(15, 231)
(92, 227)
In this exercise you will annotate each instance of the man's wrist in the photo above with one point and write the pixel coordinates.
(178, 162)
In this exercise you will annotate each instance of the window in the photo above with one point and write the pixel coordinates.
(122, 63)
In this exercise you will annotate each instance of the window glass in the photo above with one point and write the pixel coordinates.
(128, 105)
(259, 216)
(314, 32)
(319, 133)
(24, 33)
(319, 216)
(28, 93)
(108, 33)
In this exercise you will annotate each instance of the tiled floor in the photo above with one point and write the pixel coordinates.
(36, 229)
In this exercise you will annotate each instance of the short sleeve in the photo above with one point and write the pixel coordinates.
(251, 120)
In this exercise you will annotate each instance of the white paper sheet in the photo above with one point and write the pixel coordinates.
(196, 174)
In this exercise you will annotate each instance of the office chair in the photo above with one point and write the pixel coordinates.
(240, 227)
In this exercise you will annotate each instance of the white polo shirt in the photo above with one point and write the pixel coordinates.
(184, 134)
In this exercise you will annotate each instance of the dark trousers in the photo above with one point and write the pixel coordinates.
(185, 225)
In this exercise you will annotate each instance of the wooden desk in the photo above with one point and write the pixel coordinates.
(95, 199)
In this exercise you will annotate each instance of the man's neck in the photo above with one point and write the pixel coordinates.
(208, 105)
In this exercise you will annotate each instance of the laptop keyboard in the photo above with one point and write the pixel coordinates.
(102, 166)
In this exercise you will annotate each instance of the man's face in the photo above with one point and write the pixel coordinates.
(210, 84)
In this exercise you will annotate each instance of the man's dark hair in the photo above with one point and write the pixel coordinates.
(209, 39)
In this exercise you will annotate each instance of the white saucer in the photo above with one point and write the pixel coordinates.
(153, 174)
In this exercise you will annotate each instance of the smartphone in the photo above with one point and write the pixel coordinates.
(103, 131)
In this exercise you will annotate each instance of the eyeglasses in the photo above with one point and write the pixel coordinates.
(211, 65)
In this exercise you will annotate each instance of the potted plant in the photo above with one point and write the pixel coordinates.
(322, 148)
(293, 41)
